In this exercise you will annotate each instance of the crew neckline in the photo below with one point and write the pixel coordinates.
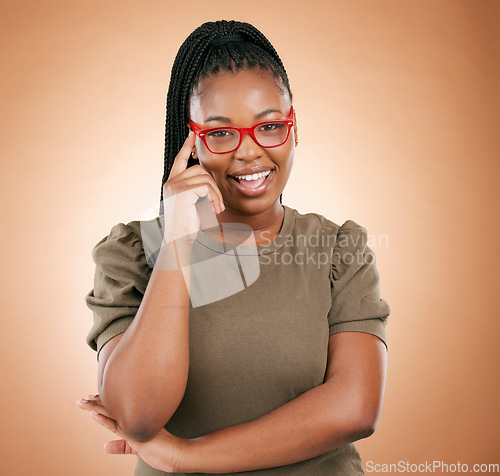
(280, 239)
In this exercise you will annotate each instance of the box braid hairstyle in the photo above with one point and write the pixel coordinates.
(211, 48)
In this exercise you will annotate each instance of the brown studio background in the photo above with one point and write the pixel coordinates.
(398, 128)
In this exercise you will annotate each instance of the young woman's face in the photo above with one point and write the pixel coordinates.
(243, 100)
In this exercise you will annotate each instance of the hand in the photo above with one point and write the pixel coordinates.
(162, 452)
(182, 190)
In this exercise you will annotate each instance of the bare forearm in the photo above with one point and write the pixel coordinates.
(314, 423)
(145, 377)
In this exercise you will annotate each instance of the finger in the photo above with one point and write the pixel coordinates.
(181, 159)
(202, 190)
(205, 179)
(191, 172)
(89, 406)
(216, 187)
(106, 422)
(207, 211)
(119, 447)
(196, 169)
(94, 398)
(217, 190)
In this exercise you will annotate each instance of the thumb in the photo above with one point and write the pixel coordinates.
(119, 447)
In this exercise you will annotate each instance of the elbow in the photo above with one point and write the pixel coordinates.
(364, 426)
(141, 434)
(361, 420)
(139, 430)
(142, 425)
(366, 417)
(366, 430)
(135, 423)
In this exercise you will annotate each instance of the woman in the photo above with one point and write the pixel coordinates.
(209, 364)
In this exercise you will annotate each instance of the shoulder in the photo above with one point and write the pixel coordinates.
(308, 222)
(124, 243)
(119, 234)
(341, 236)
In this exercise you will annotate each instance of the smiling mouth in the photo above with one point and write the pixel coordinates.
(252, 185)
(253, 180)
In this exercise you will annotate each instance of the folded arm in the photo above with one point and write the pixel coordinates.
(343, 409)
(155, 343)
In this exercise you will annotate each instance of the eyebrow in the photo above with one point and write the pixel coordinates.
(257, 116)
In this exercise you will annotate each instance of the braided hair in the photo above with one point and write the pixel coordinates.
(208, 51)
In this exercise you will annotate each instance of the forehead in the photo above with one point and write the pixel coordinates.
(235, 95)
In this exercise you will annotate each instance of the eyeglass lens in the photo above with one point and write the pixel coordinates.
(268, 135)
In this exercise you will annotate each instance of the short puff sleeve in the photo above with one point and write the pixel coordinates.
(121, 277)
(355, 285)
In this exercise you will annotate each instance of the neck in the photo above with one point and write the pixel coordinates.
(265, 225)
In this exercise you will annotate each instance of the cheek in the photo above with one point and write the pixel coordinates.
(285, 158)
(212, 166)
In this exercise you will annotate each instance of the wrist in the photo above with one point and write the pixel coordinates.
(192, 457)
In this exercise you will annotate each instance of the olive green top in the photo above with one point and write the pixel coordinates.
(259, 320)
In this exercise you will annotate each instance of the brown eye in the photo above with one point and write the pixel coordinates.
(220, 134)
(271, 127)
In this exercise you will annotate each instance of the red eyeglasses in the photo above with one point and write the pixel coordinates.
(221, 140)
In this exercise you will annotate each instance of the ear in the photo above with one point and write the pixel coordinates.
(193, 152)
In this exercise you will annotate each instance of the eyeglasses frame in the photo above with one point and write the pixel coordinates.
(202, 133)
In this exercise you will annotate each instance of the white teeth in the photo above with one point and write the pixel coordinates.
(254, 176)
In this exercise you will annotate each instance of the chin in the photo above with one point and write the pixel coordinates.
(253, 206)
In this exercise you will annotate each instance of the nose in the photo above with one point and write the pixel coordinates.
(248, 149)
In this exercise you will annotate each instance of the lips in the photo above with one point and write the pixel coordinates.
(252, 179)
(251, 170)
(253, 187)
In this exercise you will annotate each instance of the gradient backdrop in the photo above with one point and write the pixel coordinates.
(398, 115)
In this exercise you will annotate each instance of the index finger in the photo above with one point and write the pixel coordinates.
(181, 159)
